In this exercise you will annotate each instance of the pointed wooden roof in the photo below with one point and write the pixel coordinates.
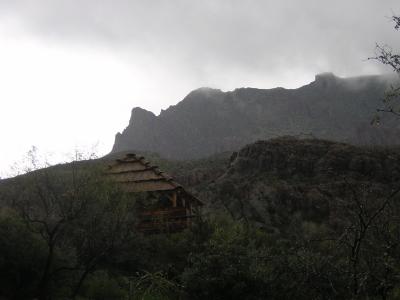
(135, 174)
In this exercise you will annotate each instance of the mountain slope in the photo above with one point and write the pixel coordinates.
(210, 121)
(273, 182)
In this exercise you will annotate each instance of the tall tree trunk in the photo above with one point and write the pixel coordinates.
(80, 282)
(42, 292)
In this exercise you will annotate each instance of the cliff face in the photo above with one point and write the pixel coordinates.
(320, 160)
(209, 121)
(272, 182)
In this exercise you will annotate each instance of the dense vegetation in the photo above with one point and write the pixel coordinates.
(328, 230)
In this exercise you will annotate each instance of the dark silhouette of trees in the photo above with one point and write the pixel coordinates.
(79, 218)
(389, 57)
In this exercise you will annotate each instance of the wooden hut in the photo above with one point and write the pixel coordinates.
(167, 206)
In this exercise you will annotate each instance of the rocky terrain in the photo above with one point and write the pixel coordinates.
(209, 121)
(272, 182)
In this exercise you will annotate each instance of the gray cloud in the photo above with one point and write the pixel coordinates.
(215, 39)
(61, 53)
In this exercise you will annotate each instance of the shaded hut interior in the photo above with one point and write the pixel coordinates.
(165, 206)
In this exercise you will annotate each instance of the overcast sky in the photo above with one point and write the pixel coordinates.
(72, 70)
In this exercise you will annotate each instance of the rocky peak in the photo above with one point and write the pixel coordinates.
(141, 116)
(326, 80)
(203, 93)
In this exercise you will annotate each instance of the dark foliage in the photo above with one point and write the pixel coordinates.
(288, 219)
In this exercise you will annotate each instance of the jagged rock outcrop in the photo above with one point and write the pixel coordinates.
(210, 121)
(274, 181)
(312, 159)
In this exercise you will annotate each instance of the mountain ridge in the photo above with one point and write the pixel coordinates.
(208, 121)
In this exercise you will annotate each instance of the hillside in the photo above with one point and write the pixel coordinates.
(273, 182)
(209, 121)
(270, 182)
(279, 216)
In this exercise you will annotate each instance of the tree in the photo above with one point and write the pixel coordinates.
(22, 256)
(80, 217)
(367, 239)
(103, 230)
(386, 56)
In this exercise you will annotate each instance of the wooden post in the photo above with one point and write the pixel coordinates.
(183, 202)
(174, 199)
(188, 213)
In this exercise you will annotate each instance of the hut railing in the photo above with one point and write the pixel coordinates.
(169, 219)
